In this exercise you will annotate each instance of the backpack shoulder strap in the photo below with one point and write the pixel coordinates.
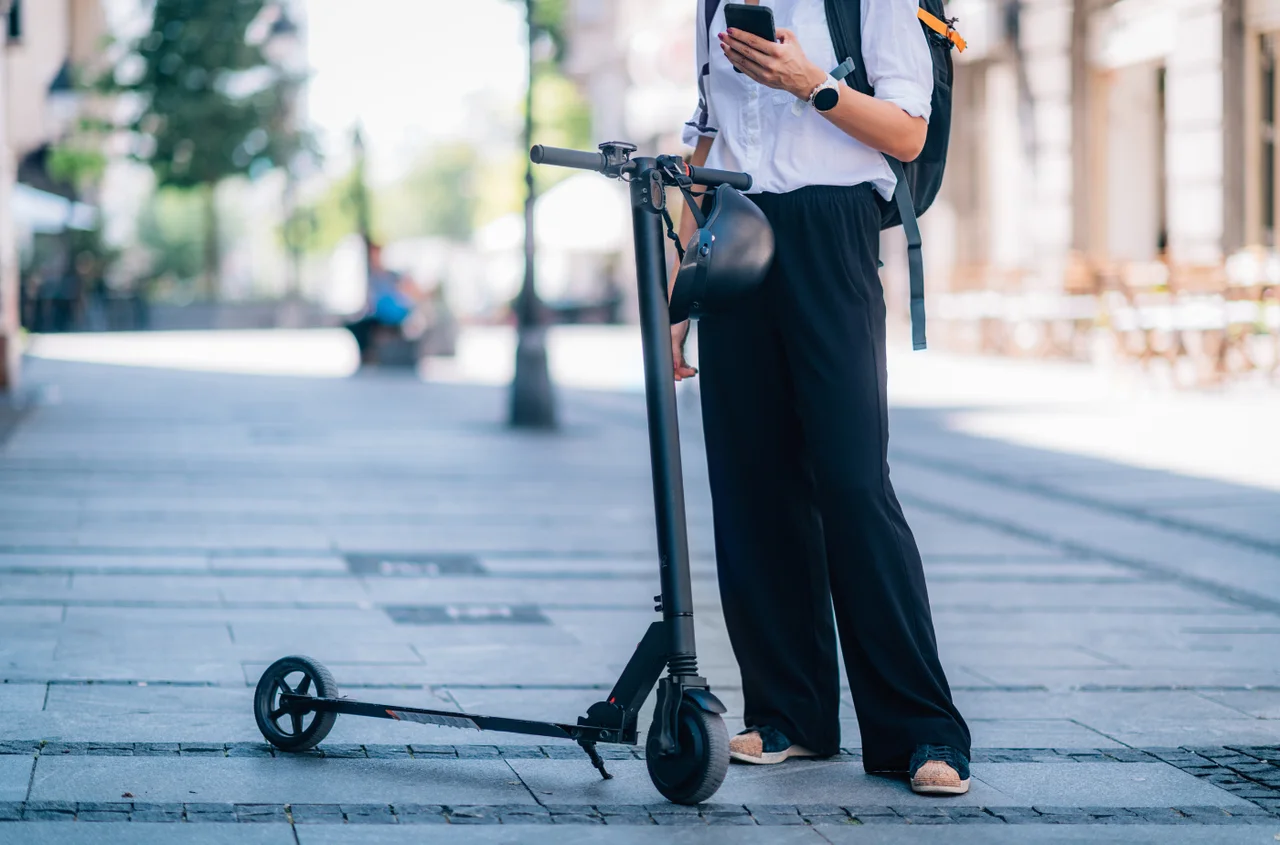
(915, 255)
(844, 19)
(709, 8)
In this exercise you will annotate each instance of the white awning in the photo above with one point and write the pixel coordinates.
(584, 213)
(45, 213)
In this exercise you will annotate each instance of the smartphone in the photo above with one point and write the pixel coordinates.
(757, 20)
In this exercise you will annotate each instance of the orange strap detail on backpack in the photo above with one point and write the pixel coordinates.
(942, 28)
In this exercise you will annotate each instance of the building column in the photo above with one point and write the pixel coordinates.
(10, 319)
(1080, 127)
(1234, 164)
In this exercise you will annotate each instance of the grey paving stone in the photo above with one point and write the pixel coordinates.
(1096, 784)
(249, 749)
(211, 812)
(102, 816)
(15, 776)
(387, 752)
(562, 835)
(14, 697)
(863, 810)
(842, 784)
(259, 813)
(470, 814)
(574, 818)
(316, 813)
(283, 780)
(216, 727)
(49, 811)
(685, 819)
(1037, 733)
(420, 814)
(135, 833)
(667, 808)
(349, 751)
(21, 746)
(155, 749)
(156, 813)
(368, 814)
(521, 818)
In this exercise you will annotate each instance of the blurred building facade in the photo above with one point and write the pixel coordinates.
(1090, 137)
(634, 63)
(44, 43)
(1111, 131)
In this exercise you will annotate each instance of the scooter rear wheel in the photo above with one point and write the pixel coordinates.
(693, 774)
(293, 731)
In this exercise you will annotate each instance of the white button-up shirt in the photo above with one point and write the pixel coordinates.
(757, 131)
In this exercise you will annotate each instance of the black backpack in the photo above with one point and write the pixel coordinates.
(919, 180)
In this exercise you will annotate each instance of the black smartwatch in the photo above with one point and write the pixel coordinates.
(826, 95)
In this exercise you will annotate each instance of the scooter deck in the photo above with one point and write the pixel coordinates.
(454, 719)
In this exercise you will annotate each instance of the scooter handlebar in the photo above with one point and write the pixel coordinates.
(560, 157)
(583, 160)
(732, 178)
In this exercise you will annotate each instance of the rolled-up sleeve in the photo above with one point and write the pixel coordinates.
(702, 124)
(896, 53)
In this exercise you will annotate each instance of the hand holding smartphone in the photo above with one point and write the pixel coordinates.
(757, 20)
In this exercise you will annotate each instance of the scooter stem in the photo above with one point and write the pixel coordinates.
(664, 431)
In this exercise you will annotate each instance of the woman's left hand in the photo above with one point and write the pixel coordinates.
(779, 64)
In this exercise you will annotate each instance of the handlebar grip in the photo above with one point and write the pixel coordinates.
(560, 157)
(707, 176)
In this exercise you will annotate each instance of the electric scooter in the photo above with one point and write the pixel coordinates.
(687, 752)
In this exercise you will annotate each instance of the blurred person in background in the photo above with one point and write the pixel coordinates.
(390, 300)
(794, 407)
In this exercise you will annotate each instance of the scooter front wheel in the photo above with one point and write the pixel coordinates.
(695, 772)
(293, 730)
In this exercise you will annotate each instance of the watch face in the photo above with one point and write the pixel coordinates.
(826, 99)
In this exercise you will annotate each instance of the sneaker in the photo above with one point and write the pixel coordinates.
(939, 770)
(764, 747)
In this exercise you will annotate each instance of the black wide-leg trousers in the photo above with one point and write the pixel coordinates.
(806, 520)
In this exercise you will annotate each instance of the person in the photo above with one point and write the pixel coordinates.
(390, 300)
(794, 407)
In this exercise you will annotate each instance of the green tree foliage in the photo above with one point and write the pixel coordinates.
(171, 227)
(436, 197)
(212, 105)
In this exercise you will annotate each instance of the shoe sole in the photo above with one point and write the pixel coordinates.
(940, 789)
(771, 758)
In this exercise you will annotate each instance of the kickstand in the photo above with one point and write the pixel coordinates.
(590, 748)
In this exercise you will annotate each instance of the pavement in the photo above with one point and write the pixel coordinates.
(176, 512)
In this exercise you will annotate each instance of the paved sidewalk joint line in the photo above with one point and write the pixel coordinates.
(615, 814)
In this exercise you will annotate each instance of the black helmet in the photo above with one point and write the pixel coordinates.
(726, 258)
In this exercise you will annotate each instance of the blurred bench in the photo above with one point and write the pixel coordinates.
(1206, 326)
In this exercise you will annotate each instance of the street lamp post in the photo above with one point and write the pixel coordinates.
(360, 200)
(283, 47)
(532, 397)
